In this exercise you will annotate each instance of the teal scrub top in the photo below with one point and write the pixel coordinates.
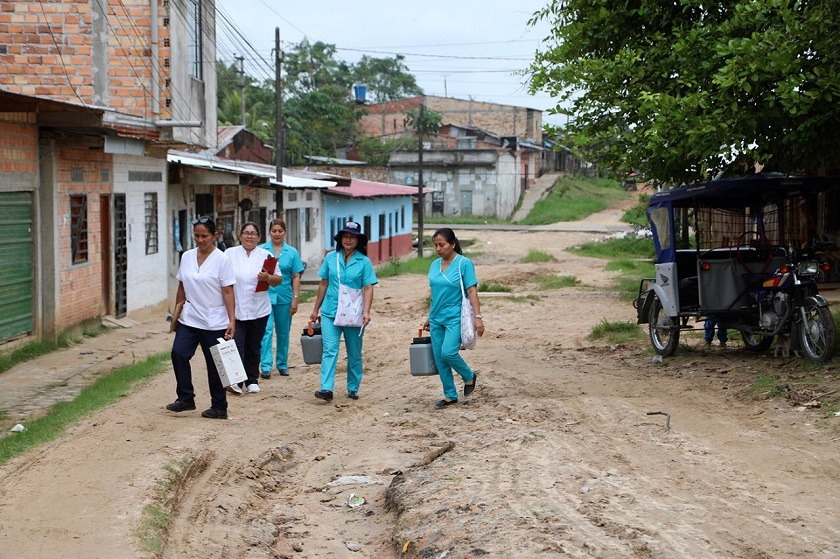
(290, 264)
(446, 288)
(356, 274)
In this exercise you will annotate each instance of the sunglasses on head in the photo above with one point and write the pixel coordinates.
(203, 219)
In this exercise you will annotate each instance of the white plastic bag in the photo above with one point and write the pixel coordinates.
(351, 302)
(468, 335)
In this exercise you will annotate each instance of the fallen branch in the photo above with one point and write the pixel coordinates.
(434, 455)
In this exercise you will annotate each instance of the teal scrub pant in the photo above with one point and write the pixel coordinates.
(446, 341)
(331, 337)
(279, 321)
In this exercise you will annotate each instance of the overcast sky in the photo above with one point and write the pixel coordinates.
(456, 48)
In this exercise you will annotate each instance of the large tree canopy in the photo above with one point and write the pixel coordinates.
(681, 89)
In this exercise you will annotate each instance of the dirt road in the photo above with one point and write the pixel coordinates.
(554, 455)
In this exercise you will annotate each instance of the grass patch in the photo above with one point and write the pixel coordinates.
(765, 387)
(617, 248)
(616, 332)
(493, 287)
(395, 266)
(556, 282)
(104, 391)
(525, 299)
(537, 256)
(636, 215)
(638, 267)
(94, 331)
(154, 524)
(307, 295)
(574, 197)
(31, 350)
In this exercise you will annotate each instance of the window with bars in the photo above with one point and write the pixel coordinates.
(193, 17)
(78, 229)
(151, 204)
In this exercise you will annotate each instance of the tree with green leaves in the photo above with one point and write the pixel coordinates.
(386, 78)
(682, 90)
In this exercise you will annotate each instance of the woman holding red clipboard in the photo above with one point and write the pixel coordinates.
(255, 269)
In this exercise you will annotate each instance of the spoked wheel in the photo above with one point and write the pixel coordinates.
(664, 331)
(757, 342)
(816, 333)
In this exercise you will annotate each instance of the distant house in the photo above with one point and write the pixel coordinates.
(383, 210)
(484, 156)
(240, 144)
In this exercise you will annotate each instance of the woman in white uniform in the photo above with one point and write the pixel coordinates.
(205, 287)
(252, 306)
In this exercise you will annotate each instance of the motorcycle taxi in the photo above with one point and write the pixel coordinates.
(740, 250)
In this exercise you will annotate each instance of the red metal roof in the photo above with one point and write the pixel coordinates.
(370, 189)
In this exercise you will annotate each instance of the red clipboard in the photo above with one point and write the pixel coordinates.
(269, 266)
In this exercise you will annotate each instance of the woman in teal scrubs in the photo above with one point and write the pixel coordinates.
(444, 322)
(350, 263)
(284, 301)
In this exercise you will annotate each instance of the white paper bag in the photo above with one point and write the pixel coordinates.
(228, 363)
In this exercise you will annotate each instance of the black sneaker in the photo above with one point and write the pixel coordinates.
(283, 372)
(324, 395)
(212, 413)
(178, 405)
(265, 374)
(353, 394)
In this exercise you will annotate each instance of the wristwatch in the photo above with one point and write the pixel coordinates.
(478, 316)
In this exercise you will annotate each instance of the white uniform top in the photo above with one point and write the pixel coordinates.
(250, 304)
(205, 307)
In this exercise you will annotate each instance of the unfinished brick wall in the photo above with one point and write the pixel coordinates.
(80, 285)
(388, 119)
(49, 52)
(18, 149)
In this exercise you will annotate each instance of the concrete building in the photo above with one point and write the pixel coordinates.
(92, 93)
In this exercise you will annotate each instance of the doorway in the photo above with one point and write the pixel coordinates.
(120, 257)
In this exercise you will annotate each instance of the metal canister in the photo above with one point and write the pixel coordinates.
(311, 343)
(420, 356)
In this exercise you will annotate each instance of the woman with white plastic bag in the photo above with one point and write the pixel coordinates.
(344, 298)
(454, 315)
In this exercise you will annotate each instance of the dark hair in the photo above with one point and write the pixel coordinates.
(361, 246)
(246, 224)
(278, 221)
(449, 236)
(206, 221)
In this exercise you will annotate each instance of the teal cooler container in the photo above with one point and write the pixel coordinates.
(420, 357)
(312, 344)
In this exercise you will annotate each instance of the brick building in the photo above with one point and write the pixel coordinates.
(92, 93)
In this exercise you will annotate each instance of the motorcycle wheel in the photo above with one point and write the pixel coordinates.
(816, 333)
(757, 342)
(664, 336)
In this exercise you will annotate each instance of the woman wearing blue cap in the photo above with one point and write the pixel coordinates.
(347, 269)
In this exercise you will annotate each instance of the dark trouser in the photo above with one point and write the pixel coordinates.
(187, 339)
(249, 335)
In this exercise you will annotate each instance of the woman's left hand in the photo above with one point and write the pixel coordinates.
(263, 276)
(231, 330)
(365, 319)
(479, 327)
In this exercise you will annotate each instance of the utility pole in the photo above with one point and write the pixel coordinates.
(421, 203)
(279, 140)
(241, 60)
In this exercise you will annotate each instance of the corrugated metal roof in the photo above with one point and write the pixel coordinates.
(370, 189)
(207, 161)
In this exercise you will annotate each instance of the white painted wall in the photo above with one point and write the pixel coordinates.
(147, 278)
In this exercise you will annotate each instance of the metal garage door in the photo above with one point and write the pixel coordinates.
(15, 264)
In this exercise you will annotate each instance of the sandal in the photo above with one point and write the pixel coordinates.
(443, 403)
(468, 388)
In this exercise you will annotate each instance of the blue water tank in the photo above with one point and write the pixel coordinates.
(360, 93)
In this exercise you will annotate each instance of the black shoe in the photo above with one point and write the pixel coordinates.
(468, 388)
(443, 403)
(178, 405)
(283, 372)
(265, 374)
(212, 413)
(353, 394)
(324, 395)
